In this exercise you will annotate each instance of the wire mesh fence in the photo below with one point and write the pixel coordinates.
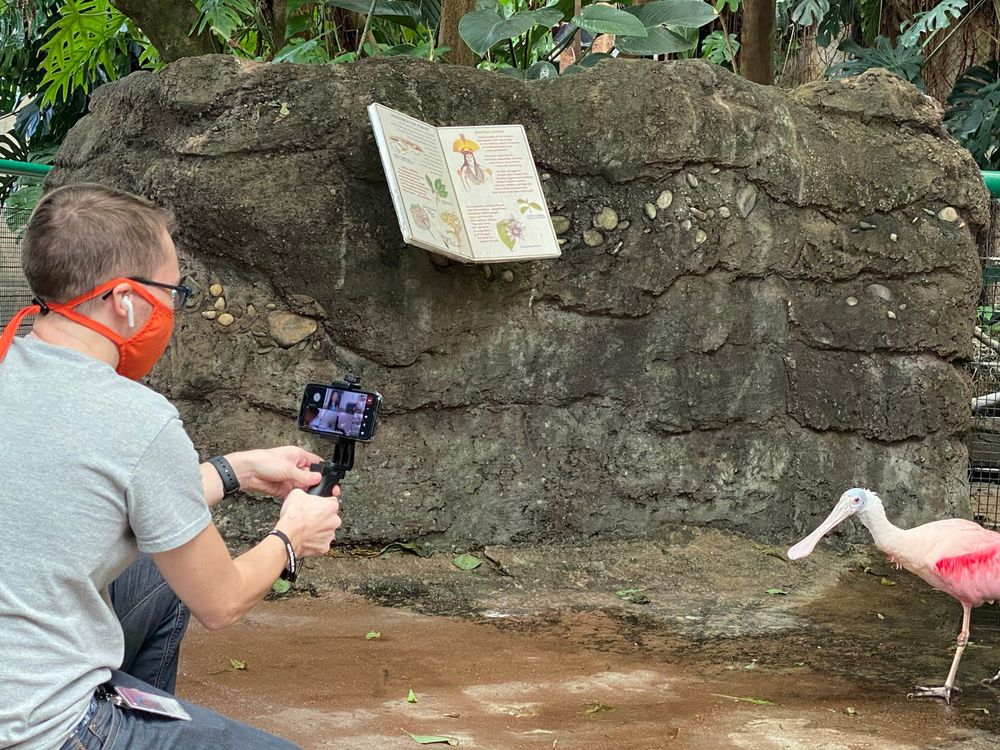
(984, 437)
(13, 289)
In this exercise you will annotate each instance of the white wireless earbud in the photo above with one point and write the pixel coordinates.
(130, 310)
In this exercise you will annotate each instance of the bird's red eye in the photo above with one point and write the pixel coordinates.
(856, 500)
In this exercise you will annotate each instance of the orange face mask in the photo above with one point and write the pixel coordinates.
(137, 354)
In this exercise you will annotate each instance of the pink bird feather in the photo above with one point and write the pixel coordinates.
(956, 556)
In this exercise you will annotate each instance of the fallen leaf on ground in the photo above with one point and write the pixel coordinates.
(633, 595)
(751, 665)
(432, 739)
(744, 699)
(466, 562)
(372, 635)
(776, 592)
(851, 711)
(411, 697)
(984, 711)
(886, 581)
(281, 586)
(880, 616)
(598, 708)
(237, 664)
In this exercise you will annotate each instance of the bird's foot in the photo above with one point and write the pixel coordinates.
(992, 680)
(944, 692)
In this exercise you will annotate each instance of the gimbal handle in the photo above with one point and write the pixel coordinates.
(335, 468)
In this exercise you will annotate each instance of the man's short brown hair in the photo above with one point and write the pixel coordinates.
(82, 235)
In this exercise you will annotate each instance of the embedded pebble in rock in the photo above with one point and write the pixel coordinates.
(893, 237)
(647, 230)
(317, 345)
(948, 214)
(746, 199)
(210, 314)
(711, 213)
(487, 272)
(698, 214)
(714, 170)
(664, 199)
(623, 225)
(561, 224)
(700, 236)
(251, 310)
(616, 249)
(928, 211)
(288, 329)
(852, 301)
(226, 319)
(562, 240)
(592, 238)
(265, 349)
(865, 225)
(545, 176)
(882, 292)
(302, 346)
(220, 304)
(691, 180)
(270, 306)
(215, 290)
(891, 315)
(650, 210)
(606, 218)
(439, 260)
(686, 224)
(902, 307)
(507, 276)
(724, 212)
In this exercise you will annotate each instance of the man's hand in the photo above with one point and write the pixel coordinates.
(275, 471)
(310, 521)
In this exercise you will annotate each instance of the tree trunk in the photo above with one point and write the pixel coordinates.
(451, 13)
(166, 23)
(757, 42)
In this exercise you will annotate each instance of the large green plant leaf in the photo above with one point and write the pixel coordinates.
(603, 19)
(588, 61)
(658, 41)
(397, 11)
(931, 21)
(905, 62)
(481, 29)
(687, 13)
(973, 113)
(810, 12)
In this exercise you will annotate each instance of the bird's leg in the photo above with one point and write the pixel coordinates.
(949, 684)
(992, 680)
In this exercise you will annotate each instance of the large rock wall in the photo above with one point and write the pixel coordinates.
(790, 323)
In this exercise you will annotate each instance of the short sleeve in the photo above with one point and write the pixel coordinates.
(166, 503)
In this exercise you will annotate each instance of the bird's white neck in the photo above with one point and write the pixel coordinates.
(883, 531)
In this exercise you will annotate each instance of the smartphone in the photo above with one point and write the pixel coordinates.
(328, 410)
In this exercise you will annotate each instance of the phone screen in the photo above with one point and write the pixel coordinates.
(327, 410)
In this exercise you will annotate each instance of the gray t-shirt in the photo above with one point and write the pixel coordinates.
(93, 468)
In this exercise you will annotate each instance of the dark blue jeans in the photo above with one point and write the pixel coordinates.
(154, 620)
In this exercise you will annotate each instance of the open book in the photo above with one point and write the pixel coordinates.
(471, 193)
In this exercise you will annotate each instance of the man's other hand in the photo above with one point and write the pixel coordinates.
(276, 471)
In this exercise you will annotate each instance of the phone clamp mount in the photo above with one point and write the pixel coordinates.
(342, 461)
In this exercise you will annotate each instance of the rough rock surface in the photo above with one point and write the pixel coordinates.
(737, 357)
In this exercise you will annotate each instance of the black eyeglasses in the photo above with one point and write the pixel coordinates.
(179, 293)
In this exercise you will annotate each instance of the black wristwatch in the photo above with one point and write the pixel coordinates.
(230, 483)
(291, 571)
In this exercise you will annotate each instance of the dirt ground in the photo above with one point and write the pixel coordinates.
(534, 649)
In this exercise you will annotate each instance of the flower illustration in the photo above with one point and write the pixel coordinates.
(510, 231)
(454, 225)
(420, 217)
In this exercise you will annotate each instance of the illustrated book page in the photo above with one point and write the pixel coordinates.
(470, 193)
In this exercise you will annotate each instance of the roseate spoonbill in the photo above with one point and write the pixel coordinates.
(956, 556)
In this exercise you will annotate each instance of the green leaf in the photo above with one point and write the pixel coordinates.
(603, 19)
(633, 595)
(403, 13)
(481, 29)
(373, 635)
(810, 12)
(411, 697)
(907, 62)
(751, 666)
(658, 41)
(542, 70)
(776, 592)
(281, 586)
(466, 562)
(299, 50)
(598, 708)
(431, 739)
(588, 61)
(886, 581)
(237, 664)
(930, 22)
(687, 13)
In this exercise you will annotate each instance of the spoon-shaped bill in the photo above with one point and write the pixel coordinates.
(840, 511)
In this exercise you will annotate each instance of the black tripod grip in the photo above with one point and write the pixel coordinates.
(331, 476)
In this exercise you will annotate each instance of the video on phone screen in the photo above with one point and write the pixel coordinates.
(334, 411)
